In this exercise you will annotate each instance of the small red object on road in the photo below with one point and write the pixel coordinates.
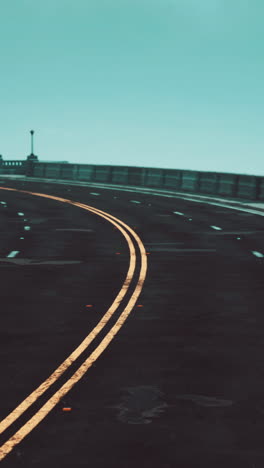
(139, 305)
(89, 305)
(66, 409)
(117, 253)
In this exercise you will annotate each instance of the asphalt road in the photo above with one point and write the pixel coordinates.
(182, 382)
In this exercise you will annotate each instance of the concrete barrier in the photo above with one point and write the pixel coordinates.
(40, 170)
(52, 171)
(247, 187)
(260, 191)
(228, 184)
(68, 171)
(154, 177)
(120, 175)
(103, 174)
(190, 181)
(213, 183)
(208, 182)
(85, 172)
(172, 179)
(136, 176)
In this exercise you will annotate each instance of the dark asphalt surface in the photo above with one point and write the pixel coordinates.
(182, 384)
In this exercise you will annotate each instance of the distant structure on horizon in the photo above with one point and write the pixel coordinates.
(14, 166)
(231, 185)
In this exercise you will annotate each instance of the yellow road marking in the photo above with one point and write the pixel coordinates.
(47, 407)
(22, 407)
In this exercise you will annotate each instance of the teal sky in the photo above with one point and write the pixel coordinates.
(158, 83)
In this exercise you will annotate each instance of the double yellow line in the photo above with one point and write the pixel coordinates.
(131, 238)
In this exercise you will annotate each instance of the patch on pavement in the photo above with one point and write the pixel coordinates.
(140, 405)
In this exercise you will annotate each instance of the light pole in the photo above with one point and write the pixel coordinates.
(32, 133)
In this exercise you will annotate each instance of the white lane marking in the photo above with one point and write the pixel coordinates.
(190, 219)
(178, 213)
(180, 195)
(217, 228)
(3, 202)
(21, 237)
(225, 206)
(257, 254)
(20, 213)
(134, 201)
(13, 253)
(94, 193)
(122, 188)
(238, 238)
(27, 228)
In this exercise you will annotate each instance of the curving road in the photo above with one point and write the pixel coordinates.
(182, 382)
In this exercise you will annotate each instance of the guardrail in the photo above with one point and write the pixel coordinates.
(241, 186)
(248, 187)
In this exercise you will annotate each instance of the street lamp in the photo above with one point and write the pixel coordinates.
(32, 156)
(32, 133)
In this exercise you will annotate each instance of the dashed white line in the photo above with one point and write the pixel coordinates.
(20, 213)
(27, 228)
(178, 213)
(148, 191)
(134, 201)
(94, 193)
(13, 253)
(257, 254)
(217, 228)
(21, 237)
